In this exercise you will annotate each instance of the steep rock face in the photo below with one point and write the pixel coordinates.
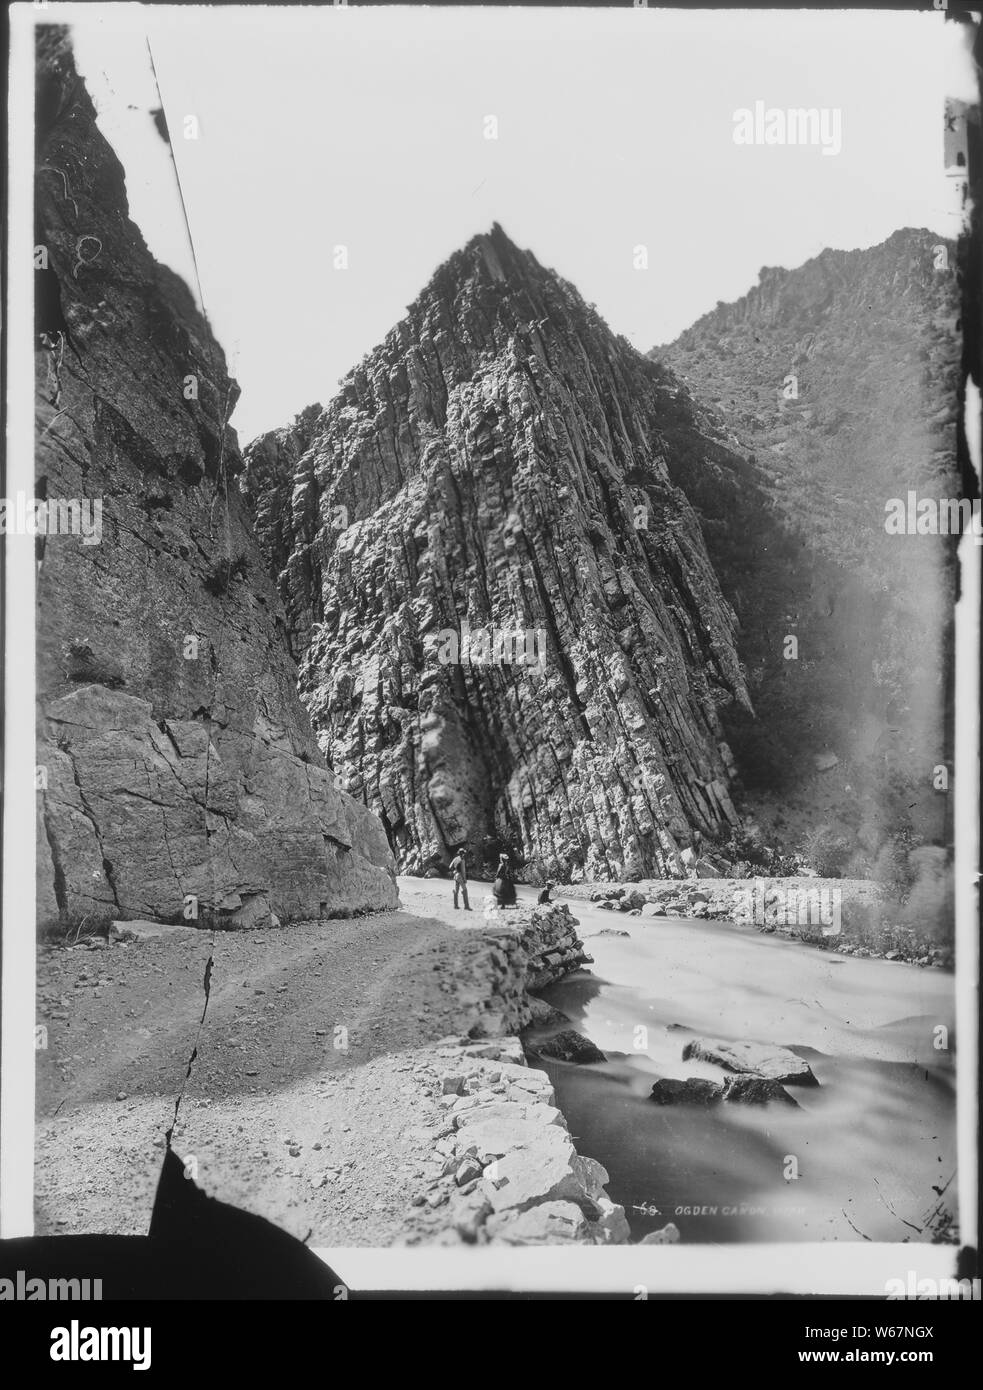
(497, 465)
(179, 760)
(830, 389)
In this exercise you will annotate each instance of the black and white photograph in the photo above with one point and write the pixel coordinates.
(492, 553)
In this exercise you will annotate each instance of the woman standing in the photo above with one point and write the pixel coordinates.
(503, 888)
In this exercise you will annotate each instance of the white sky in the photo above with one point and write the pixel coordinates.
(365, 127)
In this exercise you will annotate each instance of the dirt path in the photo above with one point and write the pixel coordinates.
(301, 1101)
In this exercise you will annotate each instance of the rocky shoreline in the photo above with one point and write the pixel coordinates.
(504, 1168)
(854, 917)
(501, 1165)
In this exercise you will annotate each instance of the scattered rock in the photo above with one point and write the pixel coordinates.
(705, 869)
(468, 1171)
(139, 930)
(569, 1046)
(611, 1226)
(667, 1235)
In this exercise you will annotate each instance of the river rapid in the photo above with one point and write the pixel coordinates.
(866, 1152)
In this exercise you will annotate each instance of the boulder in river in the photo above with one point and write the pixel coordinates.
(543, 1015)
(740, 1090)
(756, 1090)
(694, 1090)
(569, 1046)
(754, 1059)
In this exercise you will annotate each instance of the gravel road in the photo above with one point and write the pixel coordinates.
(302, 1098)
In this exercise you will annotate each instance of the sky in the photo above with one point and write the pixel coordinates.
(328, 127)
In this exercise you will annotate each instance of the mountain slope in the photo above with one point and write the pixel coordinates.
(838, 381)
(177, 761)
(498, 464)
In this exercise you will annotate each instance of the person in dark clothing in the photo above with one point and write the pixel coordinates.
(544, 894)
(503, 888)
(459, 869)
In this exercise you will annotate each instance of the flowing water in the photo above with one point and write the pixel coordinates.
(873, 1146)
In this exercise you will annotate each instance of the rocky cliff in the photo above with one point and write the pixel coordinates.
(507, 626)
(830, 389)
(178, 771)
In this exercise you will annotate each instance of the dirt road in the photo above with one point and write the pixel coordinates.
(301, 1099)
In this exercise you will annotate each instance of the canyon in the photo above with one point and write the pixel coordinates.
(179, 777)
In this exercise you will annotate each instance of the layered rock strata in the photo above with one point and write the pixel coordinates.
(507, 626)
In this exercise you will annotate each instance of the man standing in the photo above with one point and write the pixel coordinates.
(459, 869)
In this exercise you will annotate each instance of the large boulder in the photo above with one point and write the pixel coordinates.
(492, 1138)
(543, 1015)
(756, 1090)
(544, 1170)
(569, 1046)
(755, 1059)
(551, 1223)
(508, 1111)
(693, 1090)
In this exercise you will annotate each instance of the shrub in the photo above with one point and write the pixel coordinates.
(222, 574)
(826, 851)
(69, 927)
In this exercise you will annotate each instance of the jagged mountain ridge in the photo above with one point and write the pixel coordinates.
(498, 461)
(179, 762)
(871, 339)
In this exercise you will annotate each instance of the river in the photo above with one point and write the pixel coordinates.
(866, 1152)
(863, 1155)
